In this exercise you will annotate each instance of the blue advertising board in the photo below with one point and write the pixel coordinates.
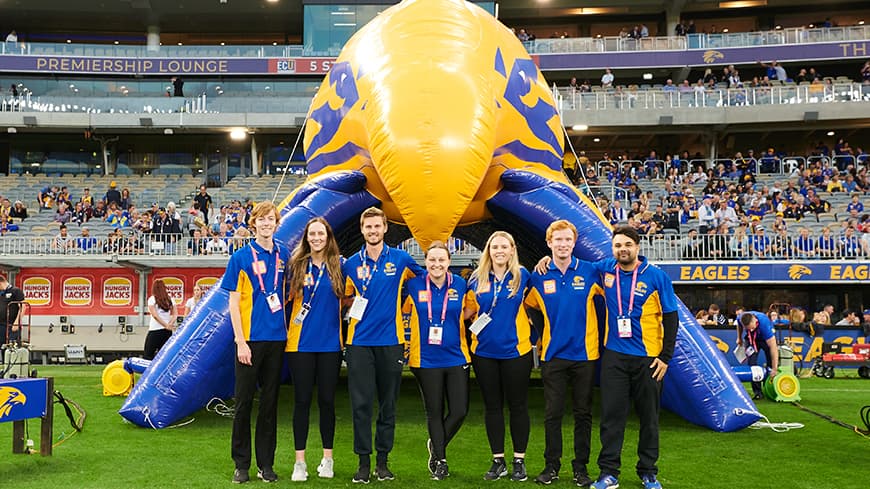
(806, 347)
(22, 399)
(780, 272)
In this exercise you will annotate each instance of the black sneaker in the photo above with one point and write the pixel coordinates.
(267, 475)
(431, 449)
(383, 473)
(363, 473)
(497, 470)
(441, 471)
(519, 472)
(548, 475)
(240, 476)
(581, 478)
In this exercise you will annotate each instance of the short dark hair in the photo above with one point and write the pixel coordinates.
(628, 232)
(746, 318)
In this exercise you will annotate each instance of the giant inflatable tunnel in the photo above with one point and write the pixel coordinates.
(434, 112)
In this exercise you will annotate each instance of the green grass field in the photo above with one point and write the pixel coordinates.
(111, 453)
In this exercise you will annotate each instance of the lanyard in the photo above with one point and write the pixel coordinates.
(316, 282)
(444, 302)
(751, 336)
(619, 292)
(496, 289)
(368, 280)
(260, 275)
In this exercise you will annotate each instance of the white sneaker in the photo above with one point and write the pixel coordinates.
(300, 472)
(325, 468)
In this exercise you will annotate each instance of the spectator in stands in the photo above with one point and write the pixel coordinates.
(5, 207)
(781, 244)
(617, 213)
(850, 318)
(216, 245)
(63, 196)
(607, 78)
(834, 184)
(819, 206)
(644, 31)
(760, 244)
(172, 210)
(112, 195)
(826, 245)
(177, 87)
(726, 215)
(855, 204)
(716, 244)
(18, 211)
(196, 245)
(865, 323)
(196, 220)
(204, 200)
(804, 246)
(694, 247)
(47, 196)
(87, 200)
(79, 214)
(62, 241)
(63, 214)
(5, 225)
(850, 245)
(118, 219)
(680, 29)
(86, 242)
(738, 245)
(125, 201)
(716, 317)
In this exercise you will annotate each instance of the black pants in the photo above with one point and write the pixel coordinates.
(306, 369)
(154, 341)
(374, 370)
(436, 385)
(265, 370)
(500, 380)
(753, 360)
(627, 378)
(557, 374)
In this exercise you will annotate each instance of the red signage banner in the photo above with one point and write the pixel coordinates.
(104, 291)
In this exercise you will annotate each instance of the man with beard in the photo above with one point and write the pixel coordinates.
(638, 344)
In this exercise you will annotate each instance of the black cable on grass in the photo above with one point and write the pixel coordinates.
(865, 417)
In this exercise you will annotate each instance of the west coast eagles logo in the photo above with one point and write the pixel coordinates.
(389, 269)
(641, 289)
(712, 55)
(579, 283)
(795, 272)
(9, 398)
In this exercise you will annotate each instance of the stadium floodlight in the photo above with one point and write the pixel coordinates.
(238, 134)
(580, 127)
(647, 76)
(11, 130)
(596, 140)
(831, 133)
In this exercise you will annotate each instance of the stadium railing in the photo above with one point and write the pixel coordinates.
(789, 94)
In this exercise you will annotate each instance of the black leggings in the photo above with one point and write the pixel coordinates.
(306, 369)
(500, 380)
(436, 384)
(154, 341)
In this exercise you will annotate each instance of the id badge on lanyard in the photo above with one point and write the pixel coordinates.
(300, 316)
(623, 321)
(436, 330)
(259, 267)
(358, 308)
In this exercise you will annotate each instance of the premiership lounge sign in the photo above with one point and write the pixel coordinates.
(165, 66)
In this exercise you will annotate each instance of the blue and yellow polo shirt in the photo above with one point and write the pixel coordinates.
(508, 334)
(567, 303)
(653, 297)
(321, 329)
(453, 350)
(380, 282)
(259, 323)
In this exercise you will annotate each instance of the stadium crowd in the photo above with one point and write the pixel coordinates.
(211, 231)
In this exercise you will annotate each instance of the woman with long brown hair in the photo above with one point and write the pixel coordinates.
(314, 338)
(162, 324)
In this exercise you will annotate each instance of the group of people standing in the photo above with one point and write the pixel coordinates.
(283, 301)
